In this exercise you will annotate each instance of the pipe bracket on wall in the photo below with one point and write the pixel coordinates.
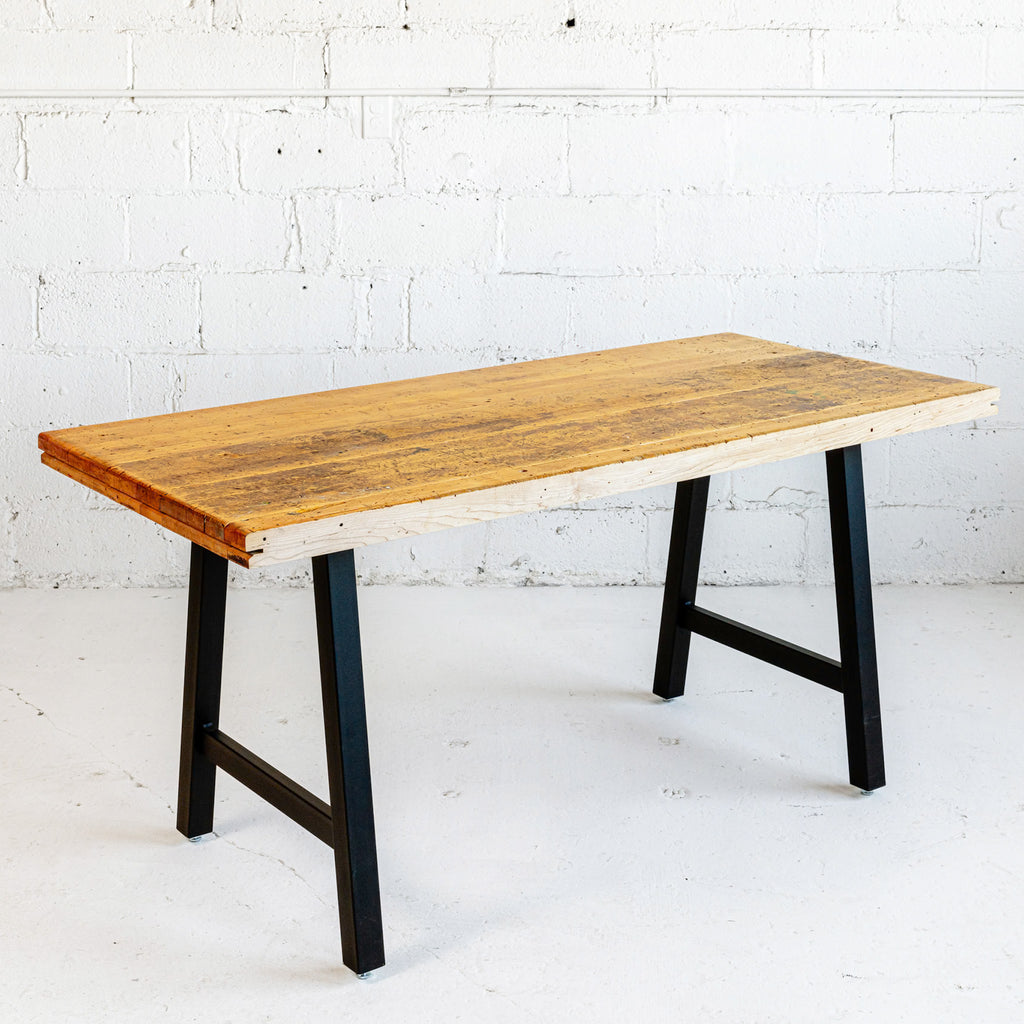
(378, 117)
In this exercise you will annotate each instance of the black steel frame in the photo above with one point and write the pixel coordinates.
(854, 675)
(346, 824)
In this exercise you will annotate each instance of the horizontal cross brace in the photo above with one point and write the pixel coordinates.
(303, 807)
(764, 646)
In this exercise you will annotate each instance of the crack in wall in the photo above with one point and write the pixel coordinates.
(21, 161)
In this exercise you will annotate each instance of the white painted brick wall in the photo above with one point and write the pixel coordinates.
(20, 14)
(18, 303)
(736, 234)
(740, 59)
(1001, 13)
(61, 229)
(932, 59)
(1008, 366)
(818, 14)
(1004, 56)
(63, 388)
(272, 15)
(9, 148)
(563, 60)
(959, 311)
(119, 153)
(607, 312)
(605, 235)
(801, 485)
(568, 544)
(127, 312)
(449, 557)
(1002, 241)
(198, 60)
(679, 151)
(277, 312)
(382, 323)
(172, 254)
(122, 14)
(984, 463)
(64, 60)
(507, 316)
(663, 13)
(839, 312)
(742, 14)
(922, 544)
(795, 149)
(127, 550)
(425, 58)
(519, 151)
(408, 232)
(315, 239)
(224, 232)
(213, 378)
(898, 232)
(280, 152)
(975, 152)
(214, 158)
(462, 12)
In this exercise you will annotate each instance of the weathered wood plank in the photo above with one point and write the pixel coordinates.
(302, 540)
(277, 479)
(205, 540)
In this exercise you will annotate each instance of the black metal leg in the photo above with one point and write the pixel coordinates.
(680, 586)
(204, 652)
(855, 674)
(347, 824)
(348, 761)
(856, 619)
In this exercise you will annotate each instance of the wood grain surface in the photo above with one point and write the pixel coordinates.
(265, 482)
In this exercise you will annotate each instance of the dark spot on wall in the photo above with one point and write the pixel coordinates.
(571, 23)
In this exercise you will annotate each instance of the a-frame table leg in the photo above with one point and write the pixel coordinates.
(680, 586)
(348, 761)
(204, 656)
(347, 824)
(855, 674)
(856, 617)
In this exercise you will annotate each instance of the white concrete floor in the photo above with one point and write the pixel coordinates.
(555, 843)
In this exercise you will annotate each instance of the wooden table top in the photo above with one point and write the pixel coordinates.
(269, 481)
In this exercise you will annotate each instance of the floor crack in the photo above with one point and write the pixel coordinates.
(275, 860)
(40, 713)
(489, 989)
(101, 754)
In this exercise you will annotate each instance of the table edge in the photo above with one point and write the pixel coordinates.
(360, 529)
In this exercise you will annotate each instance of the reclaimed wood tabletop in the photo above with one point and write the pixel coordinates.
(269, 481)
